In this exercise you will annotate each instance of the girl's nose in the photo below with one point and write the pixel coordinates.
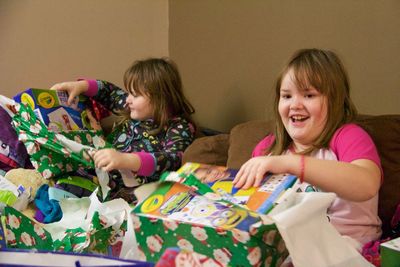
(129, 98)
(297, 103)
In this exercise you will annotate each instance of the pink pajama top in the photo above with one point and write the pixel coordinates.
(358, 220)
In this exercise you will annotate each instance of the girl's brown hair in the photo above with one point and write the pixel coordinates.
(159, 79)
(323, 70)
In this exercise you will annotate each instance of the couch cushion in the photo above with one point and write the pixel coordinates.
(243, 138)
(385, 131)
(209, 150)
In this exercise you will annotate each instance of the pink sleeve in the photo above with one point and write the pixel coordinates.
(351, 142)
(147, 163)
(263, 145)
(92, 90)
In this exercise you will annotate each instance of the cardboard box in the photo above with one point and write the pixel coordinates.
(390, 253)
(219, 179)
(175, 216)
(51, 108)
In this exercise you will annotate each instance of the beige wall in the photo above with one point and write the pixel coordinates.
(229, 52)
(47, 41)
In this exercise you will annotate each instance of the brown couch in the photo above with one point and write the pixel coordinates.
(235, 148)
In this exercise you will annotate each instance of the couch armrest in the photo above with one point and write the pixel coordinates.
(209, 150)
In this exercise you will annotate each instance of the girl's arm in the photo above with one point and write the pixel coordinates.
(358, 180)
(109, 95)
(179, 135)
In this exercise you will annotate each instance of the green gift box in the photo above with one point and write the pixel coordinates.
(390, 253)
(174, 215)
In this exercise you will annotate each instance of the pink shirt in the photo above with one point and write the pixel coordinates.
(358, 220)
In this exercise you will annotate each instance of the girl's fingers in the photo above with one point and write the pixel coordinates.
(71, 98)
(244, 176)
(107, 168)
(238, 177)
(250, 180)
(99, 159)
(259, 178)
(56, 86)
(249, 183)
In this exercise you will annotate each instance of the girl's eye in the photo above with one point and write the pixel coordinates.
(309, 96)
(134, 95)
(285, 96)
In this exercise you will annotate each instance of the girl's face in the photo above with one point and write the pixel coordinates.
(139, 106)
(303, 112)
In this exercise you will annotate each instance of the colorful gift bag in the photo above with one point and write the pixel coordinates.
(12, 257)
(53, 154)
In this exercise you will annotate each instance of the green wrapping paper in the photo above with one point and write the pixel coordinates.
(175, 215)
(100, 237)
(54, 154)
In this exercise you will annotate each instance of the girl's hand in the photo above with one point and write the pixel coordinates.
(253, 171)
(108, 159)
(74, 89)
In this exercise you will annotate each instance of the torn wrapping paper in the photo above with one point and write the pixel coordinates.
(52, 154)
(87, 226)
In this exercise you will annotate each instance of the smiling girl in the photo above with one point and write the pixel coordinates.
(315, 139)
(157, 128)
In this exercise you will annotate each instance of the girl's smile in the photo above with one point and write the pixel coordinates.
(303, 112)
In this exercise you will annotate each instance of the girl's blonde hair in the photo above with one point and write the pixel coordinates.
(159, 79)
(323, 70)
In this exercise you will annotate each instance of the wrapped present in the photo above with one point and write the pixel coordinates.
(174, 215)
(51, 107)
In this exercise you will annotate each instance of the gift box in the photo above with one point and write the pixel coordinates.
(390, 253)
(174, 215)
(50, 106)
(219, 179)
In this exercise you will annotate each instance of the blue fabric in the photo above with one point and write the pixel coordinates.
(50, 208)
